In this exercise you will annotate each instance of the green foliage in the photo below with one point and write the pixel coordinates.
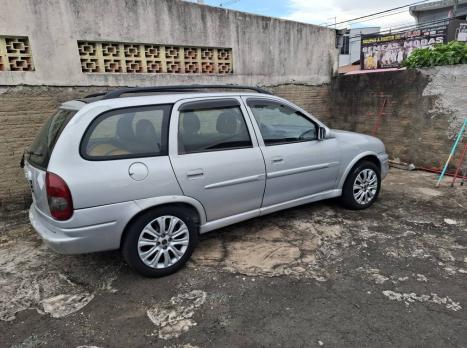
(454, 52)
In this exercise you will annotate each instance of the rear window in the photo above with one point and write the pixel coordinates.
(40, 150)
(128, 133)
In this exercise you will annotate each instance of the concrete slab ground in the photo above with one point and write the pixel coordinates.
(316, 275)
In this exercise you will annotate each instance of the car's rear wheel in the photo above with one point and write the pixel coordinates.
(361, 188)
(160, 242)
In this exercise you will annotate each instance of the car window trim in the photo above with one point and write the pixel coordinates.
(291, 142)
(96, 120)
(208, 105)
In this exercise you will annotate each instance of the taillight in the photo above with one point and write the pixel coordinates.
(59, 197)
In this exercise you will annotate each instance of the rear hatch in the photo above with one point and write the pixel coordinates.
(37, 156)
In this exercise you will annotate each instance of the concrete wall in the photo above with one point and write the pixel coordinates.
(266, 50)
(423, 114)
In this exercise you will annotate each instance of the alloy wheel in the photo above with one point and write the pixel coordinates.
(365, 186)
(163, 242)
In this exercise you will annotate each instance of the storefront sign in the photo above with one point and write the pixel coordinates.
(388, 51)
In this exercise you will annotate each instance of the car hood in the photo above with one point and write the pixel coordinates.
(362, 141)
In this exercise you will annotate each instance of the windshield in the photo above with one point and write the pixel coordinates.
(40, 150)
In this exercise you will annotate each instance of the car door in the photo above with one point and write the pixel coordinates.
(216, 157)
(297, 163)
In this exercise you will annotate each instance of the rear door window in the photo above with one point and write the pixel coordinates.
(128, 133)
(40, 150)
(212, 126)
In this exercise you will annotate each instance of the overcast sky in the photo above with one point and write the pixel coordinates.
(324, 11)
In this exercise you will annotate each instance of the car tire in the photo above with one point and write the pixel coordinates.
(362, 186)
(160, 241)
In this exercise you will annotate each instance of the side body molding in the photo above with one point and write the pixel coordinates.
(292, 171)
(235, 181)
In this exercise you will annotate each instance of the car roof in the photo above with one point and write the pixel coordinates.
(163, 98)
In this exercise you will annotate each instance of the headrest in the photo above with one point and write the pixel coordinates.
(125, 128)
(145, 132)
(227, 122)
(190, 123)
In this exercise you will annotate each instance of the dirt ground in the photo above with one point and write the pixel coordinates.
(316, 275)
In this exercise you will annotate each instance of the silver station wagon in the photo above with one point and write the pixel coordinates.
(146, 170)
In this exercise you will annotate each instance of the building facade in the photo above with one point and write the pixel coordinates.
(351, 43)
(439, 10)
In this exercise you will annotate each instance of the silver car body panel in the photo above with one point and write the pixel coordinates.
(88, 230)
(297, 170)
(213, 225)
(224, 187)
(36, 180)
(148, 203)
(215, 177)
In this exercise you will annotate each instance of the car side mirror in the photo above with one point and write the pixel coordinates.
(321, 133)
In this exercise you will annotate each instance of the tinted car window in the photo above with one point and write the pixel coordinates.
(212, 129)
(40, 150)
(280, 124)
(128, 133)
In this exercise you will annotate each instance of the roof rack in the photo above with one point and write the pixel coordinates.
(183, 88)
(94, 95)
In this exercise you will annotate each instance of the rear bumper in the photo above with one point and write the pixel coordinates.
(85, 232)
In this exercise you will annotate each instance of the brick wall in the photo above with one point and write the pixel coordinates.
(415, 117)
(22, 112)
(314, 99)
(417, 113)
(24, 109)
(413, 127)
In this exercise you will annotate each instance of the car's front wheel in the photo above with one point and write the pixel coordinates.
(361, 188)
(160, 242)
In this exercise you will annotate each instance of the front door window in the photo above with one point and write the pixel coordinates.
(280, 124)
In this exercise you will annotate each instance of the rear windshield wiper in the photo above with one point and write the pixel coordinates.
(27, 152)
(33, 153)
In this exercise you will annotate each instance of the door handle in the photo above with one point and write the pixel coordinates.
(277, 159)
(195, 173)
